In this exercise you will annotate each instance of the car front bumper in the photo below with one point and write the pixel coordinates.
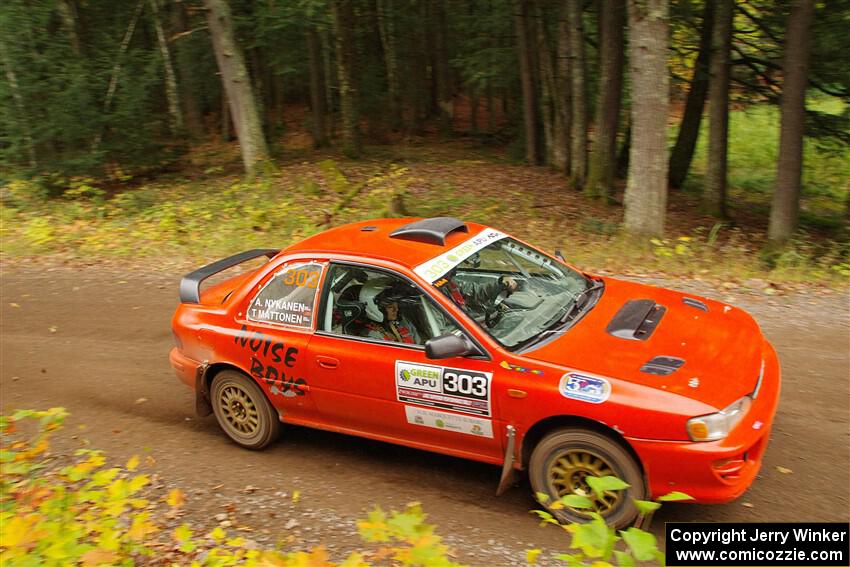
(716, 471)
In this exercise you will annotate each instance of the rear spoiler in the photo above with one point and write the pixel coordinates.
(190, 285)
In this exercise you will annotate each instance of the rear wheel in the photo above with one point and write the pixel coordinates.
(562, 461)
(243, 411)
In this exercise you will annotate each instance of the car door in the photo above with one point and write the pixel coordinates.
(380, 384)
(273, 329)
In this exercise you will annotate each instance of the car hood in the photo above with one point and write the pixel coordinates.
(721, 345)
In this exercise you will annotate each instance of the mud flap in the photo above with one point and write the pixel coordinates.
(203, 407)
(508, 471)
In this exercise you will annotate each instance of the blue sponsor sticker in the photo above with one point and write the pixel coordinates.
(578, 386)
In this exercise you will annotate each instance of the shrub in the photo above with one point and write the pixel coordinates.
(88, 513)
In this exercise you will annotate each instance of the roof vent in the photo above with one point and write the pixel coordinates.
(430, 231)
(636, 320)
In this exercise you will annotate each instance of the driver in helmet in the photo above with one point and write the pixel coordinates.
(476, 297)
(386, 322)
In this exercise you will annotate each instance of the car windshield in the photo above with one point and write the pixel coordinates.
(515, 293)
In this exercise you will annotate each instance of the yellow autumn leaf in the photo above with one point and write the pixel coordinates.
(18, 531)
(531, 556)
(182, 533)
(141, 527)
(217, 534)
(175, 498)
(132, 464)
(137, 483)
(296, 495)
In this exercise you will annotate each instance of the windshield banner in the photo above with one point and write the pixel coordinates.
(435, 268)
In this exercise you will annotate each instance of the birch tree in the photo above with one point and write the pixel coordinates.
(237, 87)
(646, 186)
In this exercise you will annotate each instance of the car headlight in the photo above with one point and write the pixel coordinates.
(718, 425)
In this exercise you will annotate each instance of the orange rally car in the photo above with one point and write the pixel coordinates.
(457, 338)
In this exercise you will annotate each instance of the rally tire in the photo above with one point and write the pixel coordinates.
(564, 457)
(242, 410)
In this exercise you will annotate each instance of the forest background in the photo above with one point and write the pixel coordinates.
(698, 138)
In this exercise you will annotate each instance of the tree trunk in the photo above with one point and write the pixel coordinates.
(646, 188)
(343, 12)
(317, 88)
(70, 19)
(548, 87)
(529, 100)
(185, 70)
(474, 104)
(491, 110)
(714, 193)
(225, 115)
(603, 158)
(785, 210)
(578, 130)
(442, 72)
(686, 140)
(237, 85)
(171, 91)
(386, 25)
(561, 153)
(625, 150)
(327, 59)
(12, 78)
(116, 69)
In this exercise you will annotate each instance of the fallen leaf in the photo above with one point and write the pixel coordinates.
(53, 328)
(296, 495)
(784, 470)
(747, 505)
(132, 464)
(98, 557)
(176, 498)
(14, 305)
(141, 400)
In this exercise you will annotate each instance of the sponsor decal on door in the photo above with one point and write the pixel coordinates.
(449, 421)
(456, 389)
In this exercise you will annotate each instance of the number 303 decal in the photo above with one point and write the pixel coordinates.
(302, 277)
(465, 384)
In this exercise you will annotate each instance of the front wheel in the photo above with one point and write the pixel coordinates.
(561, 463)
(243, 411)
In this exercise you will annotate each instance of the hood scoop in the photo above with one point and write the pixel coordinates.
(636, 320)
(662, 365)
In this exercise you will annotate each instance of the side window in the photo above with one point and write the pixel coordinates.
(289, 297)
(377, 305)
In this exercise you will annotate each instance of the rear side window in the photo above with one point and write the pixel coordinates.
(289, 298)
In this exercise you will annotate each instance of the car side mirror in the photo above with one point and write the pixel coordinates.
(449, 346)
(560, 256)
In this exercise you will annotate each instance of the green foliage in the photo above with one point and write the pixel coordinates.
(88, 513)
(753, 150)
(594, 541)
(56, 109)
(112, 218)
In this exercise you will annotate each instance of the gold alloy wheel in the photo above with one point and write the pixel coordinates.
(239, 410)
(568, 474)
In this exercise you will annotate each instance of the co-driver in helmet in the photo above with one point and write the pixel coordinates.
(386, 322)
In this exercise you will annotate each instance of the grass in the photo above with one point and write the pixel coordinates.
(753, 150)
(206, 210)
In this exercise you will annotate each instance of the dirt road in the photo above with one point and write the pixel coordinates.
(95, 340)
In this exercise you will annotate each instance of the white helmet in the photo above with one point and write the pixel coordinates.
(369, 292)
